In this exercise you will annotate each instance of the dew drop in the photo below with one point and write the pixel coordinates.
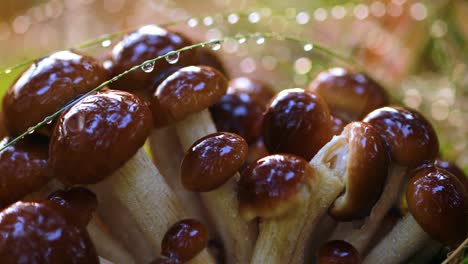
(173, 58)
(215, 45)
(49, 122)
(106, 43)
(30, 132)
(8, 71)
(192, 22)
(233, 18)
(208, 21)
(308, 47)
(148, 67)
(259, 40)
(241, 40)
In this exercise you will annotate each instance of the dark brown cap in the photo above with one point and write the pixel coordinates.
(256, 89)
(80, 202)
(338, 125)
(439, 203)
(411, 139)
(273, 185)
(184, 240)
(188, 90)
(365, 174)
(212, 160)
(338, 252)
(297, 122)
(98, 135)
(148, 42)
(24, 168)
(454, 169)
(37, 232)
(47, 85)
(350, 95)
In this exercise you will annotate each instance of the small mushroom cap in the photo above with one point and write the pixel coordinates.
(80, 202)
(454, 169)
(411, 139)
(256, 89)
(350, 95)
(207, 57)
(213, 160)
(47, 85)
(186, 91)
(297, 122)
(98, 135)
(148, 42)
(439, 203)
(273, 185)
(366, 173)
(24, 168)
(184, 240)
(338, 252)
(37, 232)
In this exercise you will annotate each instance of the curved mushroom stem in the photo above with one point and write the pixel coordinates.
(403, 241)
(140, 187)
(360, 238)
(167, 155)
(238, 235)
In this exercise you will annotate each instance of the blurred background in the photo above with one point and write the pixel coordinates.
(417, 49)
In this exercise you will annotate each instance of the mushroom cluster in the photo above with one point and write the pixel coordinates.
(233, 172)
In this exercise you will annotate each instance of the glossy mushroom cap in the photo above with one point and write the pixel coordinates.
(350, 95)
(207, 57)
(273, 185)
(241, 110)
(148, 42)
(454, 169)
(98, 135)
(439, 203)
(338, 125)
(24, 168)
(37, 232)
(365, 173)
(188, 90)
(80, 202)
(47, 85)
(297, 122)
(212, 160)
(337, 252)
(184, 240)
(411, 139)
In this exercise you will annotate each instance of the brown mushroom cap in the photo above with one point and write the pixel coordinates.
(212, 160)
(338, 252)
(48, 84)
(454, 169)
(148, 42)
(37, 232)
(439, 203)
(297, 122)
(97, 136)
(184, 240)
(366, 173)
(273, 185)
(24, 168)
(186, 91)
(350, 95)
(80, 202)
(338, 125)
(411, 139)
(256, 89)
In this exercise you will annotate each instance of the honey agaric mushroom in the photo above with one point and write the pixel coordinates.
(210, 167)
(184, 240)
(80, 205)
(337, 252)
(24, 168)
(350, 95)
(454, 169)
(410, 140)
(438, 204)
(47, 85)
(297, 122)
(108, 129)
(39, 232)
(353, 164)
(145, 43)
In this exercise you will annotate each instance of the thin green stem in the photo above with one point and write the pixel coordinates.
(186, 48)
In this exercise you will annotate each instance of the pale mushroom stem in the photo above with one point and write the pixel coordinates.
(362, 236)
(167, 155)
(404, 240)
(238, 235)
(154, 206)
